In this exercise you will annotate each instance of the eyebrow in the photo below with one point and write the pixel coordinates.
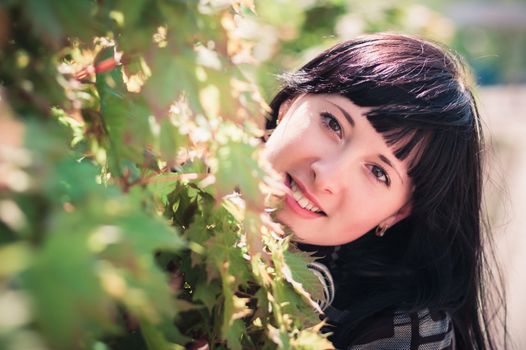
(344, 112)
(388, 162)
(381, 156)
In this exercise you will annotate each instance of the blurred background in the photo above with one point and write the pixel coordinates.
(491, 35)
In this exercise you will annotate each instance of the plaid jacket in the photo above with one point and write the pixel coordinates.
(424, 330)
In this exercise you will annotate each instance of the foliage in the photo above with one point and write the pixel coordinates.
(128, 130)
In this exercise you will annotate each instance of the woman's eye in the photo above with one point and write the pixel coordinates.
(380, 175)
(330, 122)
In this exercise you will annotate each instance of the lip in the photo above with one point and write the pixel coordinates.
(293, 204)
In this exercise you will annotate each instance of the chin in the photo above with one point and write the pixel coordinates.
(306, 240)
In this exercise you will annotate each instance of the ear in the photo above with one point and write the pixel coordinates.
(283, 108)
(401, 214)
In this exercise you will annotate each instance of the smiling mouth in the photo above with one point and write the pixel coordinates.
(300, 201)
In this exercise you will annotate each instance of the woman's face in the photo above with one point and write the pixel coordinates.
(344, 178)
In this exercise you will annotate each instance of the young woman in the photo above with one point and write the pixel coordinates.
(380, 143)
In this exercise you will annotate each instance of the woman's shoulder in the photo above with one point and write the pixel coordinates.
(388, 330)
(423, 330)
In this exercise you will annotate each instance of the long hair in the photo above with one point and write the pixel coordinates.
(423, 107)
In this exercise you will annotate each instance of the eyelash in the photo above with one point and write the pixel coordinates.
(327, 119)
(387, 180)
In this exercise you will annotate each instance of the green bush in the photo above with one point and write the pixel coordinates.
(128, 130)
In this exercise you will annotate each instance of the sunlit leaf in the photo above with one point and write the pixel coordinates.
(297, 265)
(239, 158)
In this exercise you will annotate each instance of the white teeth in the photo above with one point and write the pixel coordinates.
(302, 201)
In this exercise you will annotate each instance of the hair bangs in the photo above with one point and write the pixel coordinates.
(407, 141)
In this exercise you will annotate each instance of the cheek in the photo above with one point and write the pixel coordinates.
(279, 150)
(289, 143)
(365, 209)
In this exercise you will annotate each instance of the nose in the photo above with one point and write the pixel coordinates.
(328, 175)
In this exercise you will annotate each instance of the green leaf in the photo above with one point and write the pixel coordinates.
(155, 339)
(279, 337)
(70, 303)
(172, 75)
(311, 339)
(207, 293)
(74, 181)
(46, 141)
(200, 230)
(133, 276)
(148, 234)
(161, 186)
(57, 19)
(235, 334)
(15, 257)
(295, 311)
(125, 122)
(297, 263)
(171, 141)
(239, 158)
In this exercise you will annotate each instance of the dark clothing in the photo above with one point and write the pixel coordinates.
(424, 330)
(388, 330)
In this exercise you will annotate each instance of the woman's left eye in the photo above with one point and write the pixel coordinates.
(380, 174)
(331, 123)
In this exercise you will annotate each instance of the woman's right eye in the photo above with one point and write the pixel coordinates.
(331, 123)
